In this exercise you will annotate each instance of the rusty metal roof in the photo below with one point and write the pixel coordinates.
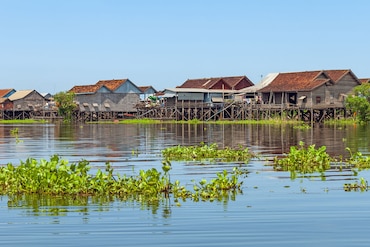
(4, 92)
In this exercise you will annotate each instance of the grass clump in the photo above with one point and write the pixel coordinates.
(207, 152)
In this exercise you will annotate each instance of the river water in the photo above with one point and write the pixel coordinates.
(272, 210)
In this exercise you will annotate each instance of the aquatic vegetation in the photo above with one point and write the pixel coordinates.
(219, 187)
(23, 121)
(310, 159)
(207, 152)
(14, 132)
(57, 177)
(302, 126)
(362, 186)
(358, 160)
(140, 121)
(304, 159)
(270, 121)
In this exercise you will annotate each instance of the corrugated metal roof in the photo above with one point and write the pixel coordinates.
(20, 94)
(265, 81)
(2, 100)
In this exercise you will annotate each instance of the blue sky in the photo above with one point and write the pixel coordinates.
(52, 45)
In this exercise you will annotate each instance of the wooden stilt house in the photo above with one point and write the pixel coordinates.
(106, 99)
(325, 88)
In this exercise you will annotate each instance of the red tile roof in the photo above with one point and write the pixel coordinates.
(144, 88)
(85, 89)
(364, 80)
(217, 82)
(296, 81)
(336, 75)
(111, 84)
(306, 80)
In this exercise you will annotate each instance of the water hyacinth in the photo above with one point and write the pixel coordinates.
(304, 159)
(57, 177)
(207, 152)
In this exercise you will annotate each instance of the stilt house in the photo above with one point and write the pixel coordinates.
(309, 88)
(107, 96)
(207, 90)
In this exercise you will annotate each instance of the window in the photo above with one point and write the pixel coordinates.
(318, 99)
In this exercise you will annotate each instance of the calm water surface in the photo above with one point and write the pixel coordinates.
(273, 209)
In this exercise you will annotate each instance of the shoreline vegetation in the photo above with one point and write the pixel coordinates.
(23, 121)
(348, 121)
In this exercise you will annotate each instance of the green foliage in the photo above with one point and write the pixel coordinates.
(57, 177)
(140, 121)
(362, 186)
(359, 102)
(304, 160)
(310, 160)
(362, 90)
(218, 188)
(358, 160)
(14, 132)
(302, 127)
(207, 152)
(66, 105)
(22, 121)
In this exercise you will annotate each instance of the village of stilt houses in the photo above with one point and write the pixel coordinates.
(313, 96)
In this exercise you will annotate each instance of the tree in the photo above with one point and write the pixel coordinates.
(66, 105)
(359, 102)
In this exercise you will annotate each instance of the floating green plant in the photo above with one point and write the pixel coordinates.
(358, 160)
(304, 159)
(302, 126)
(15, 133)
(310, 159)
(207, 152)
(362, 186)
(219, 187)
(57, 177)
